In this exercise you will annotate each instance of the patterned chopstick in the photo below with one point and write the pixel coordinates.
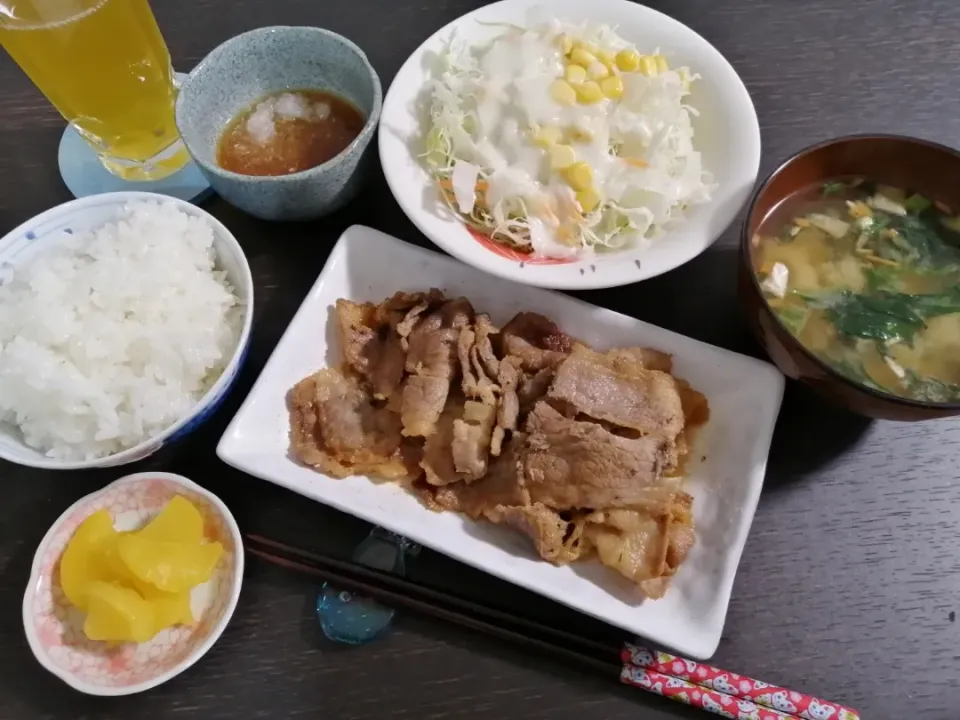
(689, 693)
(646, 668)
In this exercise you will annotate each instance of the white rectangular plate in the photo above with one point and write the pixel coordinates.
(725, 476)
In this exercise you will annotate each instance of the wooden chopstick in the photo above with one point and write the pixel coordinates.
(396, 591)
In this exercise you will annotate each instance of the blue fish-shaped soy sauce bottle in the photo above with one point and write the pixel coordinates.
(355, 620)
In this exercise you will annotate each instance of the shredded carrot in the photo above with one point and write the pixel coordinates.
(877, 260)
(859, 209)
(636, 162)
(447, 184)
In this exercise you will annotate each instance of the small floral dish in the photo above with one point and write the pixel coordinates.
(54, 627)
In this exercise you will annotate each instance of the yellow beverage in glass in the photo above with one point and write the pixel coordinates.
(104, 65)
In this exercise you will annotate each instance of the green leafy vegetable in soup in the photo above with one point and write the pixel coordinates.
(867, 277)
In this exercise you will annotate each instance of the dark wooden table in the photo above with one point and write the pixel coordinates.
(851, 575)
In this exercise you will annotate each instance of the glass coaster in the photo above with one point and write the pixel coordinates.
(85, 175)
(355, 620)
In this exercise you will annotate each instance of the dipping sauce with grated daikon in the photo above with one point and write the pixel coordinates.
(288, 132)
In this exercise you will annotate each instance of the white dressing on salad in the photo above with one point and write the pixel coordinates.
(464, 180)
(500, 111)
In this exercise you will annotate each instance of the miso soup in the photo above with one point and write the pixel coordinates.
(867, 277)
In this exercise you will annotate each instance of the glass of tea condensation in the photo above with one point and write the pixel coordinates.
(104, 65)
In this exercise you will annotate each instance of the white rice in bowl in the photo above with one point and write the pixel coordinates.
(107, 338)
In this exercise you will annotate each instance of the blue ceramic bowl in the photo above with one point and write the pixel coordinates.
(260, 62)
(85, 214)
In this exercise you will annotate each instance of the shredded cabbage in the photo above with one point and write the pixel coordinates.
(488, 102)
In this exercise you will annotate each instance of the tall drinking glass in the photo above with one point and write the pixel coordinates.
(104, 65)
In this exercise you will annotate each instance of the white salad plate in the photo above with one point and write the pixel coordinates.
(726, 133)
(725, 474)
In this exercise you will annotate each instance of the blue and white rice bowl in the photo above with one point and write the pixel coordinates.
(80, 216)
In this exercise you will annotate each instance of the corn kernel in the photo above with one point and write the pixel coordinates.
(607, 58)
(579, 176)
(586, 46)
(588, 93)
(662, 65)
(628, 60)
(588, 199)
(612, 87)
(582, 57)
(597, 70)
(648, 65)
(547, 135)
(562, 92)
(574, 74)
(561, 156)
(565, 42)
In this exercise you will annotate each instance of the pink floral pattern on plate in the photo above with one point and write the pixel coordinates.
(58, 626)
